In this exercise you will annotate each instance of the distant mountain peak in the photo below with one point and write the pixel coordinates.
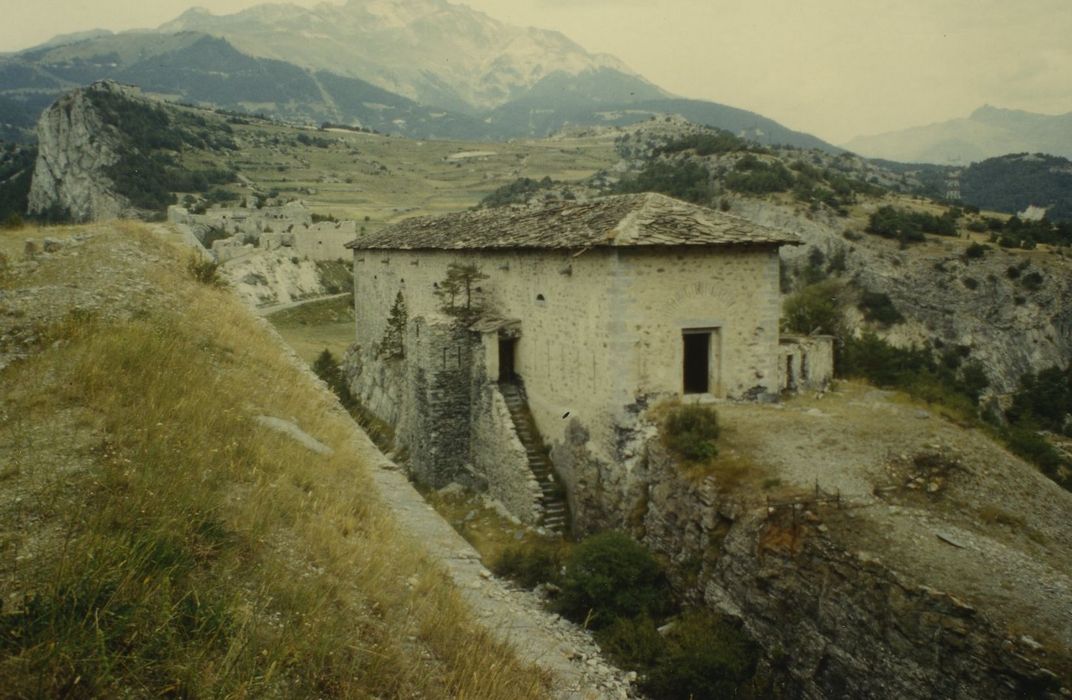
(988, 132)
(432, 51)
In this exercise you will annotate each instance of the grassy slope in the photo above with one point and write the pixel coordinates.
(156, 540)
(309, 329)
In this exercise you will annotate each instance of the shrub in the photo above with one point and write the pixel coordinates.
(529, 564)
(757, 177)
(909, 226)
(1032, 281)
(691, 432)
(515, 192)
(705, 657)
(610, 576)
(879, 308)
(814, 309)
(1027, 443)
(707, 144)
(204, 271)
(685, 180)
(14, 222)
(1044, 398)
(632, 642)
(975, 250)
(872, 358)
(327, 368)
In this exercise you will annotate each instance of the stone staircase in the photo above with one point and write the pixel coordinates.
(555, 511)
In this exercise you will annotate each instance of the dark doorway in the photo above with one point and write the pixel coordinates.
(697, 361)
(507, 346)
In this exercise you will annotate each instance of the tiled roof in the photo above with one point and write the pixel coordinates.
(621, 220)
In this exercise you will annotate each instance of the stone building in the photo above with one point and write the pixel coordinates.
(578, 318)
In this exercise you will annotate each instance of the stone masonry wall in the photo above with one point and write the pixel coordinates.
(499, 457)
(601, 331)
(805, 362)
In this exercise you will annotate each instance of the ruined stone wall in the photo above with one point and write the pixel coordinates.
(324, 241)
(805, 363)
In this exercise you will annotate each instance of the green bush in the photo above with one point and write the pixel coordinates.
(909, 226)
(327, 368)
(632, 642)
(705, 657)
(707, 144)
(204, 271)
(515, 192)
(610, 576)
(878, 308)
(682, 179)
(814, 309)
(691, 432)
(1027, 443)
(1044, 399)
(531, 564)
(758, 177)
(975, 250)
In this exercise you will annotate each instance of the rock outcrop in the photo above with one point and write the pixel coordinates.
(75, 150)
(1005, 308)
(836, 621)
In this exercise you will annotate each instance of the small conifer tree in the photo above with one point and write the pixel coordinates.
(393, 346)
(460, 282)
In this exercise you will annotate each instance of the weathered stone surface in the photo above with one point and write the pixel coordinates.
(620, 221)
(291, 430)
(1009, 328)
(834, 623)
(75, 148)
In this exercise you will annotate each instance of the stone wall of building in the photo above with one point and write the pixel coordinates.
(600, 337)
(805, 362)
(446, 412)
(499, 457)
(325, 240)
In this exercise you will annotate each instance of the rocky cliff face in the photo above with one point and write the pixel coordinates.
(835, 620)
(1006, 308)
(75, 148)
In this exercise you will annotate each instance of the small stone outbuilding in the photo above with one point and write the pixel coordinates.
(591, 312)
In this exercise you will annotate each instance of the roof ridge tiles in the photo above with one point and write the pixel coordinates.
(631, 220)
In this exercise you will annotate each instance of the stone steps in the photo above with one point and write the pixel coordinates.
(555, 511)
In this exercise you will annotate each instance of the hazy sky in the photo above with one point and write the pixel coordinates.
(835, 68)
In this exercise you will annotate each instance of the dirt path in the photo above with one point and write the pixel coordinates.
(269, 310)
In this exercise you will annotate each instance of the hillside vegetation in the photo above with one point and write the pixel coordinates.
(156, 539)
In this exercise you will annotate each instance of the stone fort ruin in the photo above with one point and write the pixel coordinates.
(518, 350)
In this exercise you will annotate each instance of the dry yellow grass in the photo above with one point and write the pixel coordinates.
(158, 541)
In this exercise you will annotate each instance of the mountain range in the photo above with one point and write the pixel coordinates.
(420, 68)
(987, 133)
